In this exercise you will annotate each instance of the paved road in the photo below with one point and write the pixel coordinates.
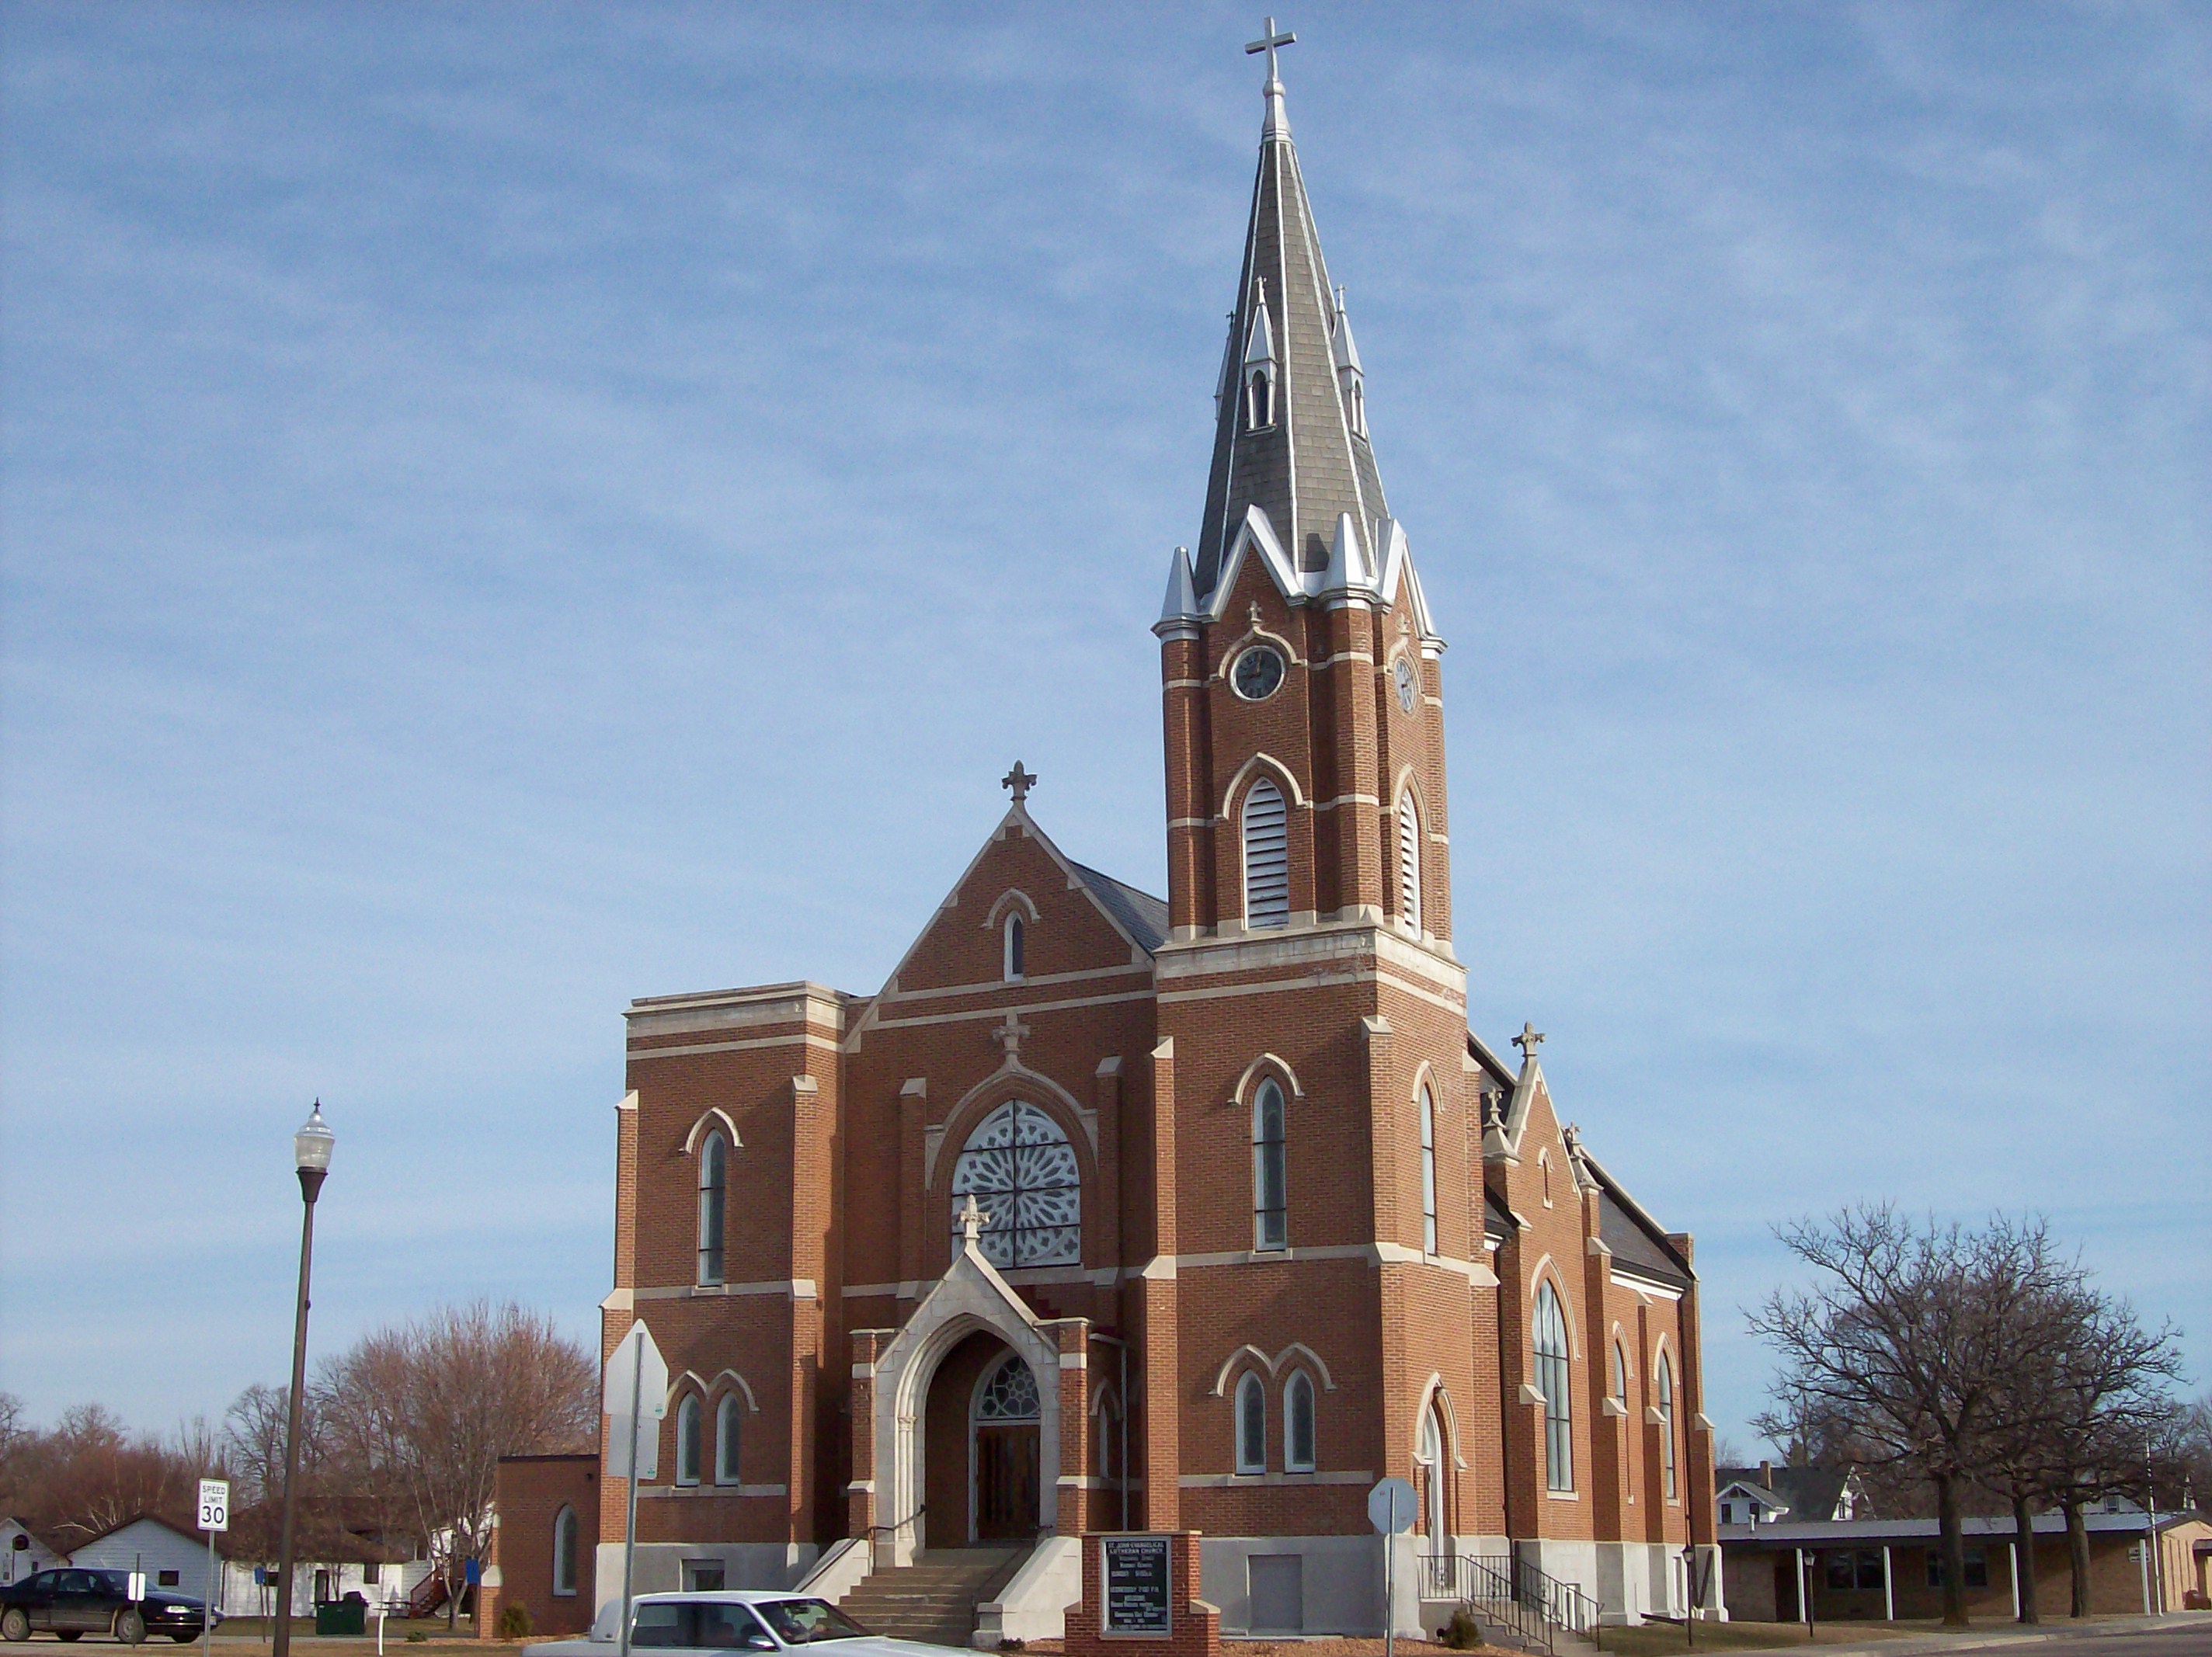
(2190, 1638)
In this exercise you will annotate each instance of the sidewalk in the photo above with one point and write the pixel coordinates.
(1994, 1635)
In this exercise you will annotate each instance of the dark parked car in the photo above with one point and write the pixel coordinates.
(70, 1603)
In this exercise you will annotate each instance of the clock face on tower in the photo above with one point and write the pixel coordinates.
(1257, 673)
(1406, 686)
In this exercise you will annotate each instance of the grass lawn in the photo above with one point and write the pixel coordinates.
(1651, 1638)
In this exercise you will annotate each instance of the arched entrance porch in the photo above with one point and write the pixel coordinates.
(983, 1443)
(916, 1424)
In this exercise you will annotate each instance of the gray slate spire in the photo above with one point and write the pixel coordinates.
(1310, 466)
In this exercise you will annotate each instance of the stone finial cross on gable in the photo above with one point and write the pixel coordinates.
(1268, 41)
(972, 1220)
(1020, 781)
(1010, 1037)
(1527, 1041)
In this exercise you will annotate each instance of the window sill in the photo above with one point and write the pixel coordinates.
(1564, 1495)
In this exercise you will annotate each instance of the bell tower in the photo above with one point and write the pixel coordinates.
(1310, 1081)
(1300, 669)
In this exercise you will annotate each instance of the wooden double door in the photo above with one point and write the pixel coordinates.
(1009, 1466)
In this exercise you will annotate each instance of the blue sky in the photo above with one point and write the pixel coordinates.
(511, 508)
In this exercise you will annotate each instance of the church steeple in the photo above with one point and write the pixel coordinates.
(1289, 432)
(1299, 668)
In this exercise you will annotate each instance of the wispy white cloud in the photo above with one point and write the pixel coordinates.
(503, 517)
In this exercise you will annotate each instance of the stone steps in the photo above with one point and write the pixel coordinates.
(934, 1598)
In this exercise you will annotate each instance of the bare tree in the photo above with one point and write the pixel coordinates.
(2194, 1446)
(420, 1416)
(253, 1443)
(1902, 1344)
(91, 1473)
(2080, 1406)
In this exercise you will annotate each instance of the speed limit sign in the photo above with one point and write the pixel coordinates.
(215, 1504)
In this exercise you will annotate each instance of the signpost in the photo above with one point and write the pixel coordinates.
(1138, 1588)
(635, 1392)
(215, 1515)
(1391, 1508)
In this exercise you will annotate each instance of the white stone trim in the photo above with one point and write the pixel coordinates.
(971, 1295)
(712, 1114)
(768, 1003)
(807, 1039)
(801, 1289)
(997, 1014)
(1273, 1365)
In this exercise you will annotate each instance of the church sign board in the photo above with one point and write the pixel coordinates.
(1138, 1580)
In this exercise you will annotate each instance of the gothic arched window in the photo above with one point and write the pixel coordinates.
(1409, 861)
(564, 1553)
(1620, 1375)
(1428, 1170)
(1251, 1425)
(687, 1440)
(1551, 1333)
(714, 1192)
(1666, 1390)
(729, 1439)
(1298, 1423)
(1011, 1393)
(1023, 1175)
(1015, 939)
(1266, 856)
(1270, 1186)
(1260, 405)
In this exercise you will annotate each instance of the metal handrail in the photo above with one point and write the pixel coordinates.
(1513, 1594)
(902, 1524)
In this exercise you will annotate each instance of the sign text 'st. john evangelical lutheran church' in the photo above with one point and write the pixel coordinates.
(1109, 1213)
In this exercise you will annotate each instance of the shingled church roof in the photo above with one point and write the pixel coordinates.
(1312, 464)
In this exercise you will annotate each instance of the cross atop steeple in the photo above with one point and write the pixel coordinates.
(1268, 40)
(1020, 781)
(1527, 1041)
(1278, 124)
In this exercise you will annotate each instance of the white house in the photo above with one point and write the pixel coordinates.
(178, 1560)
(22, 1551)
(1763, 1494)
(173, 1559)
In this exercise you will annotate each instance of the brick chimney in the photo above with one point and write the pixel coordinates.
(1767, 1474)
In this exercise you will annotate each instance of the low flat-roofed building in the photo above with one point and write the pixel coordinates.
(1890, 1569)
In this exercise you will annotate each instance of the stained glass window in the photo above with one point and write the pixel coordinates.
(1552, 1382)
(1011, 1395)
(1023, 1175)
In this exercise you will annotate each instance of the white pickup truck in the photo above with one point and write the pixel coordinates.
(724, 1620)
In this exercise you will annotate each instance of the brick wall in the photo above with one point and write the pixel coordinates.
(529, 1496)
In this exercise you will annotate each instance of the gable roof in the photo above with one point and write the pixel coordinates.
(197, 1539)
(1638, 1242)
(37, 1536)
(1803, 1493)
(1138, 914)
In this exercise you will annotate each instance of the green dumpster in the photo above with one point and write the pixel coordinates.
(348, 1615)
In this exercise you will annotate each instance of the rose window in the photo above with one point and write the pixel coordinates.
(1011, 1395)
(1022, 1172)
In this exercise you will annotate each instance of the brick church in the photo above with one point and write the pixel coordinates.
(1110, 1212)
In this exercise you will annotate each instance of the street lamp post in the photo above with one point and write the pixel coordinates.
(1691, 1591)
(311, 1155)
